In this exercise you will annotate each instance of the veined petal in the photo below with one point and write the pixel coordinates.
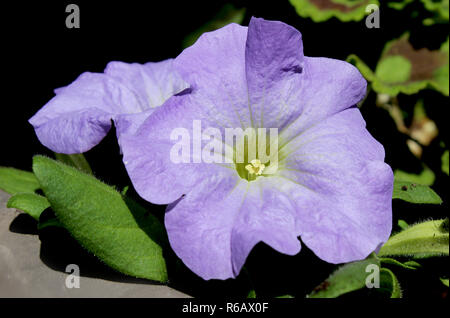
(215, 69)
(199, 226)
(214, 227)
(328, 87)
(79, 116)
(147, 153)
(153, 83)
(335, 175)
(268, 216)
(274, 67)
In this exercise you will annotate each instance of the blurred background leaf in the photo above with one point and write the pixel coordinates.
(403, 69)
(322, 10)
(227, 14)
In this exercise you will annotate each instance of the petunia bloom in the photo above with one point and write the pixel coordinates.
(331, 186)
(80, 115)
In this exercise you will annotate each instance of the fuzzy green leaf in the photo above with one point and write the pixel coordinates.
(100, 220)
(345, 279)
(406, 265)
(389, 283)
(415, 193)
(31, 203)
(16, 181)
(422, 240)
(444, 281)
(76, 160)
(322, 10)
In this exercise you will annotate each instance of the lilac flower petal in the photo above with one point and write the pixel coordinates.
(199, 226)
(268, 216)
(130, 123)
(152, 82)
(328, 87)
(214, 227)
(215, 68)
(147, 153)
(342, 189)
(274, 67)
(79, 116)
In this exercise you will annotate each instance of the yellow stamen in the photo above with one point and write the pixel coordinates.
(255, 167)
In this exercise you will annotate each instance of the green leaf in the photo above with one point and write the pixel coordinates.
(444, 160)
(422, 240)
(426, 177)
(402, 224)
(403, 69)
(444, 281)
(251, 294)
(53, 222)
(412, 264)
(16, 181)
(100, 220)
(76, 160)
(285, 296)
(389, 283)
(227, 14)
(322, 10)
(345, 279)
(439, 7)
(406, 265)
(415, 193)
(399, 5)
(363, 68)
(31, 203)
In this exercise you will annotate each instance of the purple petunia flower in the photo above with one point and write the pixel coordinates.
(330, 186)
(80, 115)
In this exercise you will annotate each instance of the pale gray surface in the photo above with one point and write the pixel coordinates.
(23, 274)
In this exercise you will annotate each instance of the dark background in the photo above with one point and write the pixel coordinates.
(41, 54)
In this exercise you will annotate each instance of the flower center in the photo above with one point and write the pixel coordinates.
(255, 167)
(256, 155)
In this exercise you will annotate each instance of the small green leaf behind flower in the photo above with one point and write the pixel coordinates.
(31, 203)
(425, 177)
(444, 160)
(322, 10)
(228, 14)
(15, 181)
(347, 278)
(411, 265)
(119, 234)
(422, 240)
(415, 193)
(76, 160)
(402, 224)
